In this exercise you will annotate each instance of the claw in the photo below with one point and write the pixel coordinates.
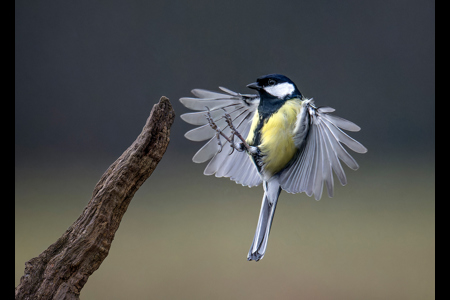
(219, 142)
(229, 121)
(232, 149)
(232, 142)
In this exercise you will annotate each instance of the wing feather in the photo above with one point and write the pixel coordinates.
(201, 104)
(198, 118)
(237, 165)
(334, 160)
(320, 153)
(342, 123)
(326, 162)
(205, 132)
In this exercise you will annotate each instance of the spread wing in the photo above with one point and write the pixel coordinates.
(241, 107)
(320, 140)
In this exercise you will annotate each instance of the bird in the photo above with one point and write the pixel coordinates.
(277, 138)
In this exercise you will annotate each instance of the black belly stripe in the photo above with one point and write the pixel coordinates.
(266, 109)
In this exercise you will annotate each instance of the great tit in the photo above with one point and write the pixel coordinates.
(283, 141)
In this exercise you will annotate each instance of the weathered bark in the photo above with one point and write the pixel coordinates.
(61, 271)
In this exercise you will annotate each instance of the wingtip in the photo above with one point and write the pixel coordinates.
(183, 117)
(325, 109)
(183, 100)
(197, 93)
(364, 150)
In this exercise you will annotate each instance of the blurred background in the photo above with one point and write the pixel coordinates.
(87, 74)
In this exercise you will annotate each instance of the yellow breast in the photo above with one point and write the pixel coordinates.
(277, 142)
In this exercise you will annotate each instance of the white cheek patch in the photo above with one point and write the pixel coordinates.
(280, 90)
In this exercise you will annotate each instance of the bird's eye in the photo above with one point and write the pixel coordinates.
(271, 82)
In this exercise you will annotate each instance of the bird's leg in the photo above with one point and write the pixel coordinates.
(234, 132)
(219, 132)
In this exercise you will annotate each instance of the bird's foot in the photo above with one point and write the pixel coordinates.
(233, 145)
(234, 133)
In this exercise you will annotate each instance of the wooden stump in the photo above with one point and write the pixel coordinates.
(61, 271)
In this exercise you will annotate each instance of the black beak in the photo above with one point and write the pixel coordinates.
(254, 86)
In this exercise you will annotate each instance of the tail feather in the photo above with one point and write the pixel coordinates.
(272, 191)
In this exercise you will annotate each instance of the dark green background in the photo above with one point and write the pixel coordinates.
(87, 74)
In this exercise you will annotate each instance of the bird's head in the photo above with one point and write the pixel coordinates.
(275, 86)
